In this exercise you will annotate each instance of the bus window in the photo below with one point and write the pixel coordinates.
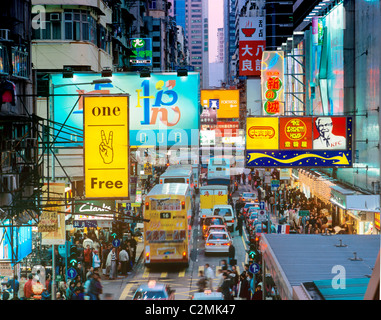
(174, 180)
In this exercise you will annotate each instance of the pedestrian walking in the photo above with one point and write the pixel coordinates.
(88, 257)
(124, 260)
(243, 287)
(96, 260)
(231, 255)
(209, 275)
(258, 293)
(225, 287)
(112, 263)
(95, 287)
(240, 221)
(202, 282)
(235, 279)
(28, 292)
(105, 252)
(133, 245)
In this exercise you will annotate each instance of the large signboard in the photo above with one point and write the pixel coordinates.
(225, 101)
(14, 237)
(106, 146)
(55, 195)
(272, 82)
(164, 108)
(320, 141)
(141, 52)
(252, 42)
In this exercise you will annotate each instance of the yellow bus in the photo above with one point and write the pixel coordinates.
(167, 235)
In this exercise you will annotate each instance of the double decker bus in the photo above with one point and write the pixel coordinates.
(167, 235)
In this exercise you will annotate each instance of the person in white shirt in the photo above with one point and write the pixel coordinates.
(326, 139)
(124, 259)
(209, 275)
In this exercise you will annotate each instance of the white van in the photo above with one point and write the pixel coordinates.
(227, 212)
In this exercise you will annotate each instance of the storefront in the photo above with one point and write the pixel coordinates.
(356, 212)
(96, 215)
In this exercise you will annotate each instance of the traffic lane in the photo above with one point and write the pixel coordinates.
(214, 260)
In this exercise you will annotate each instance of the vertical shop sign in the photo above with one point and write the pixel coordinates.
(252, 35)
(272, 79)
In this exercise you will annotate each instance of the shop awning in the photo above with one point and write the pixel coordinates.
(354, 200)
(362, 202)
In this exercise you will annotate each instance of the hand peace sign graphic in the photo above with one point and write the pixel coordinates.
(105, 148)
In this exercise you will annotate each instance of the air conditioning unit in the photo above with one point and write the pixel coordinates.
(55, 17)
(4, 34)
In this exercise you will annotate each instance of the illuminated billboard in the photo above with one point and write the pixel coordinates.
(106, 146)
(272, 82)
(164, 108)
(225, 101)
(141, 52)
(307, 141)
(252, 43)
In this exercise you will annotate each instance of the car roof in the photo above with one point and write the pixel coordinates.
(222, 232)
(148, 287)
(217, 225)
(213, 217)
(200, 295)
(222, 206)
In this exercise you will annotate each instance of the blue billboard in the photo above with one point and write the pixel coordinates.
(164, 108)
(21, 243)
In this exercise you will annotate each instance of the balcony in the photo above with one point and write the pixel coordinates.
(20, 62)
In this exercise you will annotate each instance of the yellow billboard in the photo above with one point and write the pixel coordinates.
(225, 101)
(262, 133)
(106, 146)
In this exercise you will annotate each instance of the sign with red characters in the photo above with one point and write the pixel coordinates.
(295, 133)
(252, 35)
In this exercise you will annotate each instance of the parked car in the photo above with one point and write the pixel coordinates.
(218, 242)
(154, 291)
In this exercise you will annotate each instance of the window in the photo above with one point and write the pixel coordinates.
(152, 4)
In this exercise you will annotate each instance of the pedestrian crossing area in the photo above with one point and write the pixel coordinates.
(184, 282)
(147, 274)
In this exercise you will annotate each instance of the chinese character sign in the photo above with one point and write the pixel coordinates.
(141, 52)
(306, 141)
(251, 45)
(272, 77)
(295, 133)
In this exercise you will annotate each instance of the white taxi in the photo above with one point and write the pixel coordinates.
(218, 242)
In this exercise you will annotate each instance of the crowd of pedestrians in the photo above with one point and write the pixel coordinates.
(231, 284)
(286, 202)
(97, 260)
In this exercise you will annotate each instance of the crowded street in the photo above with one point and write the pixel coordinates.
(204, 153)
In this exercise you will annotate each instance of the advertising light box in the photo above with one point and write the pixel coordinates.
(106, 148)
(272, 82)
(164, 108)
(320, 141)
(225, 101)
